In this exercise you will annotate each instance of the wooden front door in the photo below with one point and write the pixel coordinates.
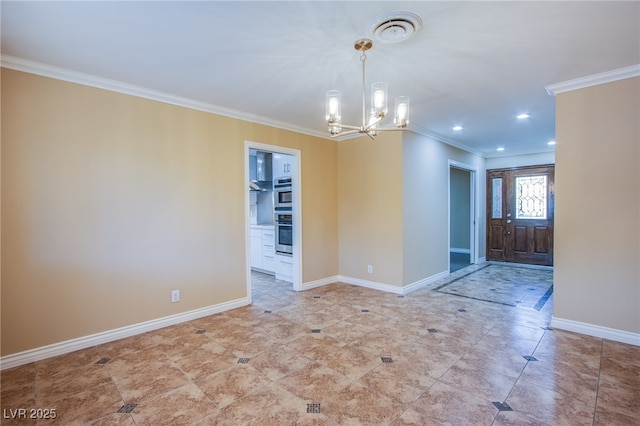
(520, 208)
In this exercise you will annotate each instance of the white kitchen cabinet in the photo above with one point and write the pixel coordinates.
(263, 248)
(284, 268)
(283, 165)
(268, 250)
(256, 248)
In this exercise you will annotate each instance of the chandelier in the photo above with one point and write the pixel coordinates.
(370, 124)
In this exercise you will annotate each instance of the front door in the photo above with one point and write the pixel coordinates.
(520, 205)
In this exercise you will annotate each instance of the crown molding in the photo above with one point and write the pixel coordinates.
(38, 68)
(519, 153)
(443, 139)
(593, 80)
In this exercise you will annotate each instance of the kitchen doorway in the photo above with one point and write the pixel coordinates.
(264, 249)
(463, 214)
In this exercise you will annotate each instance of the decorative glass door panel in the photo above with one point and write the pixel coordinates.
(531, 197)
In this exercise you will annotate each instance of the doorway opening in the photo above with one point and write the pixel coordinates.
(463, 214)
(520, 211)
(273, 215)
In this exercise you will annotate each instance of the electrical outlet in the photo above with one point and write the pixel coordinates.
(370, 269)
(175, 296)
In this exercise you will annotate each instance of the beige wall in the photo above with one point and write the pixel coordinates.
(426, 174)
(597, 222)
(110, 201)
(370, 208)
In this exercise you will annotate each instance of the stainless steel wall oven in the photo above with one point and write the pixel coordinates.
(282, 194)
(284, 232)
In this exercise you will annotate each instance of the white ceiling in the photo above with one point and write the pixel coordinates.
(477, 64)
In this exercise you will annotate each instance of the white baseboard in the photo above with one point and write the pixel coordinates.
(371, 284)
(389, 288)
(596, 331)
(460, 250)
(61, 348)
(319, 283)
(425, 282)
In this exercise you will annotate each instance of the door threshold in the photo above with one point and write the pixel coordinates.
(520, 265)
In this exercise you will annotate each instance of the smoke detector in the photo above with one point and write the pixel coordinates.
(395, 27)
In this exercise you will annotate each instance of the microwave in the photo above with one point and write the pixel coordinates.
(282, 193)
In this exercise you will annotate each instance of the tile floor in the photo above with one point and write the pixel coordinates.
(458, 261)
(345, 355)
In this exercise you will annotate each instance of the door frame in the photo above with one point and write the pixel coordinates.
(296, 186)
(474, 210)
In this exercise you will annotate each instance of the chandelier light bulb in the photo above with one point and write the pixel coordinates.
(333, 106)
(401, 118)
(379, 99)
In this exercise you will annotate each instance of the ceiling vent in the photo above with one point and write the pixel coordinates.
(395, 27)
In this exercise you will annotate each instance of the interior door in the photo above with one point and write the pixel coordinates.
(520, 209)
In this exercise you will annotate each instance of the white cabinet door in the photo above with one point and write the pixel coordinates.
(256, 248)
(268, 250)
(283, 165)
(284, 268)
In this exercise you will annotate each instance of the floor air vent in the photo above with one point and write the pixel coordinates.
(313, 408)
(127, 408)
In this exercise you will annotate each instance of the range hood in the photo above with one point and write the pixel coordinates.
(260, 171)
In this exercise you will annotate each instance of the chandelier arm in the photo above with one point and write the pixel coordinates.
(373, 123)
(390, 129)
(349, 132)
(347, 126)
(363, 59)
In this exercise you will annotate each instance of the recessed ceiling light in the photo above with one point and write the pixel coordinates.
(501, 148)
(457, 128)
(522, 116)
(551, 143)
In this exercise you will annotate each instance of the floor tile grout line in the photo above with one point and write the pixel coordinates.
(524, 368)
(595, 405)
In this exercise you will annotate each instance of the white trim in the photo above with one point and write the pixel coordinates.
(596, 331)
(319, 283)
(425, 282)
(593, 80)
(84, 342)
(37, 68)
(389, 288)
(442, 138)
(460, 250)
(474, 213)
(297, 210)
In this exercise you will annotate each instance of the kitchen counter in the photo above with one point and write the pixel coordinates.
(263, 226)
